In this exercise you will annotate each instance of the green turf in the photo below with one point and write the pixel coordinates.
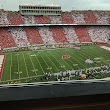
(29, 66)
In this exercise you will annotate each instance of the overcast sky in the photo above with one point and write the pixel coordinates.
(65, 4)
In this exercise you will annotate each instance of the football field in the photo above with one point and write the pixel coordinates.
(30, 66)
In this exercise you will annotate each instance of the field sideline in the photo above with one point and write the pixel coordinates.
(28, 66)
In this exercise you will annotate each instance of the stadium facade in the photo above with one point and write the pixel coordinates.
(47, 27)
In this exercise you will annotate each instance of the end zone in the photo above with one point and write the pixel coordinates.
(2, 59)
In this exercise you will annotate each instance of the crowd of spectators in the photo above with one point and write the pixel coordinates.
(46, 35)
(78, 17)
(70, 34)
(6, 40)
(29, 19)
(73, 17)
(56, 19)
(99, 34)
(102, 17)
(19, 36)
(25, 36)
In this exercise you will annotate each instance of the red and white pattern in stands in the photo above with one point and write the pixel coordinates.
(33, 35)
(89, 17)
(70, 34)
(42, 20)
(15, 19)
(29, 19)
(67, 18)
(24, 36)
(78, 17)
(6, 39)
(46, 35)
(56, 19)
(101, 17)
(99, 34)
(58, 34)
(4, 18)
(19, 36)
(82, 34)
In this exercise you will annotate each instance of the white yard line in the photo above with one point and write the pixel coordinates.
(39, 63)
(11, 66)
(65, 61)
(52, 62)
(75, 60)
(33, 65)
(96, 56)
(46, 64)
(25, 65)
(18, 65)
(57, 60)
(80, 59)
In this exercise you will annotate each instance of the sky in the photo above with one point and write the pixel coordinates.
(66, 5)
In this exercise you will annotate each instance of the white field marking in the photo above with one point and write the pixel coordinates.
(66, 62)
(78, 61)
(91, 53)
(74, 59)
(46, 63)
(101, 59)
(82, 57)
(33, 65)
(34, 70)
(25, 65)
(18, 66)
(23, 78)
(39, 63)
(57, 60)
(105, 47)
(10, 66)
(70, 61)
(51, 61)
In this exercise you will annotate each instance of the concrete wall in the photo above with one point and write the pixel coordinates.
(33, 91)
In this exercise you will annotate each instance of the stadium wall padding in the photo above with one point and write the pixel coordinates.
(53, 90)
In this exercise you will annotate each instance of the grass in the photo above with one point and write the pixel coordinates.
(30, 66)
